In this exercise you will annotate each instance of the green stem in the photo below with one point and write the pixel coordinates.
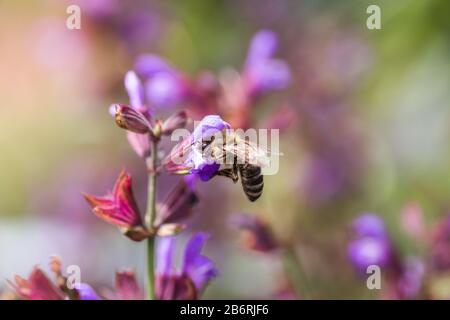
(152, 163)
(295, 272)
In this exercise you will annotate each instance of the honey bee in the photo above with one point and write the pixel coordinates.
(238, 157)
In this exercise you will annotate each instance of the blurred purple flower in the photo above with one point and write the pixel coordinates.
(323, 180)
(256, 234)
(148, 65)
(164, 89)
(136, 24)
(371, 245)
(135, 90)
(412, 221)
(440, 245)
(86, 292)
(367, 251)
(264, 73)
(164, 86)
(410, 282)
(263, 46)
(196, 271)
(369, 225)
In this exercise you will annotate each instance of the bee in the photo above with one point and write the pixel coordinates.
(238, 157)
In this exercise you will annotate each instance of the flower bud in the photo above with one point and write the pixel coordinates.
(175, 121)
(255, 233)
(131, 119)
(157, 129)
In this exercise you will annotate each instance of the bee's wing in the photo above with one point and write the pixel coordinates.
(247, 152)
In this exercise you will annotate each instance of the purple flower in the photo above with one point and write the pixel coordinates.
(86, 292)
(369, 224)
(367, 251)
(263, 72)
(134, 89)
(263, 46)
(185, 159)
(411, 279)
(196, 271)
(164, 89)
(209, 126)
(371, 245)
(148, 65)
(164, 86)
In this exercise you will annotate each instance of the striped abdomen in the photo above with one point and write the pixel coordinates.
(252, 181)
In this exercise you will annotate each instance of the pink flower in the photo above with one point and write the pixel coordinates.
(264, 73)
(120, 209)
(37, 287)
(127, 287)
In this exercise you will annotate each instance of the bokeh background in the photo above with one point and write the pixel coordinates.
(369, 132)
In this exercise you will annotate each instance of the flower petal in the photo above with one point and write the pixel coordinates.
(37, 287)
(368, 251)
(120, 208)
(86, 292)
(164, 89)
(263, 46)
(199, 268)
(209, 126)
(139, 143)
(127, 287)
(149, 64)
(135, 89)
(164, 255)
